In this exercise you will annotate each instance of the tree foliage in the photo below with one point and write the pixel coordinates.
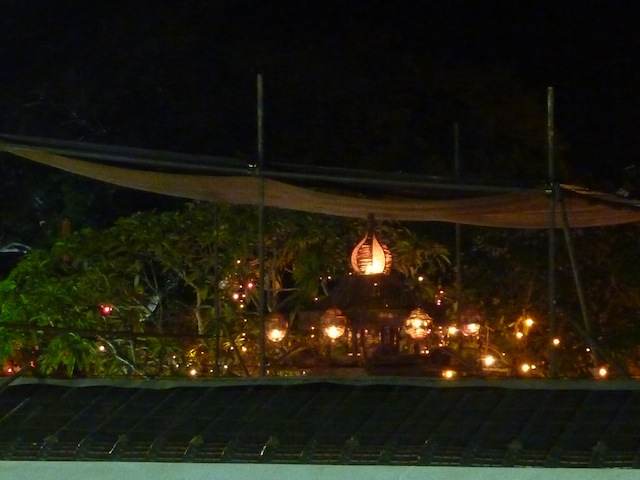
(506, 277)
(165, 293)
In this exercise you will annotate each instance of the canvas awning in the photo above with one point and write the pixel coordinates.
(515, 208)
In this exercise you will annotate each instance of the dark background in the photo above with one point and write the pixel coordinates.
(180, 75)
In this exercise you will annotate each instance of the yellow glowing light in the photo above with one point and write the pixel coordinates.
(276, 334)
(472, 328)
(370, 257)
(525, 367)
(102, 348)
(489, 360)
(376, 267)
(603, 372)
(452, 330)
(236, 296)
(193, 372)
(418, 324)
(556, 341)
(448, 374)
(334, 331)
(528, 322)
(334, 323)
(519, 335)
(420, 278)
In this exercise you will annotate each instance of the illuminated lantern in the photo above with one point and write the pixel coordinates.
(334, 323)
(488, 360)
(470, 321)
(371, 257)
(471, 328)
(276, 327)
(418, 324)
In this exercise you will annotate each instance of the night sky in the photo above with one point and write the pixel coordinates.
(180, 75)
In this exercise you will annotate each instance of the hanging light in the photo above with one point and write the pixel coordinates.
(471, 321)
(418, 324)
(371, 257)
(488, 360)
(334, 323)
(276, 327)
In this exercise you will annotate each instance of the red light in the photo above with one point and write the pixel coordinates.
(106, 309)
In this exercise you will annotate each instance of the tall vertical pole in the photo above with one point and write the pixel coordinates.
(216, 276)
(458, 227)
(262, 294)
(553, 195)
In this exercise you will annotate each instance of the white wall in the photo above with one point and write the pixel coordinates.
(40, 470)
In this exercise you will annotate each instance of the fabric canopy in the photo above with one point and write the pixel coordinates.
(526, 208)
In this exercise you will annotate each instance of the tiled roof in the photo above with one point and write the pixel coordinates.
(323, 422)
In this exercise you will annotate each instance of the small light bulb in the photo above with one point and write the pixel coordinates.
(489, 360)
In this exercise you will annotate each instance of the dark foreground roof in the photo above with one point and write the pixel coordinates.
(321, 422)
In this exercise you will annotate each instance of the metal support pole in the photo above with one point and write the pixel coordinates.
(458, 227)
(261, 229)
(597, 352)
(216, 276)
(577, 281)
(553, 196)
